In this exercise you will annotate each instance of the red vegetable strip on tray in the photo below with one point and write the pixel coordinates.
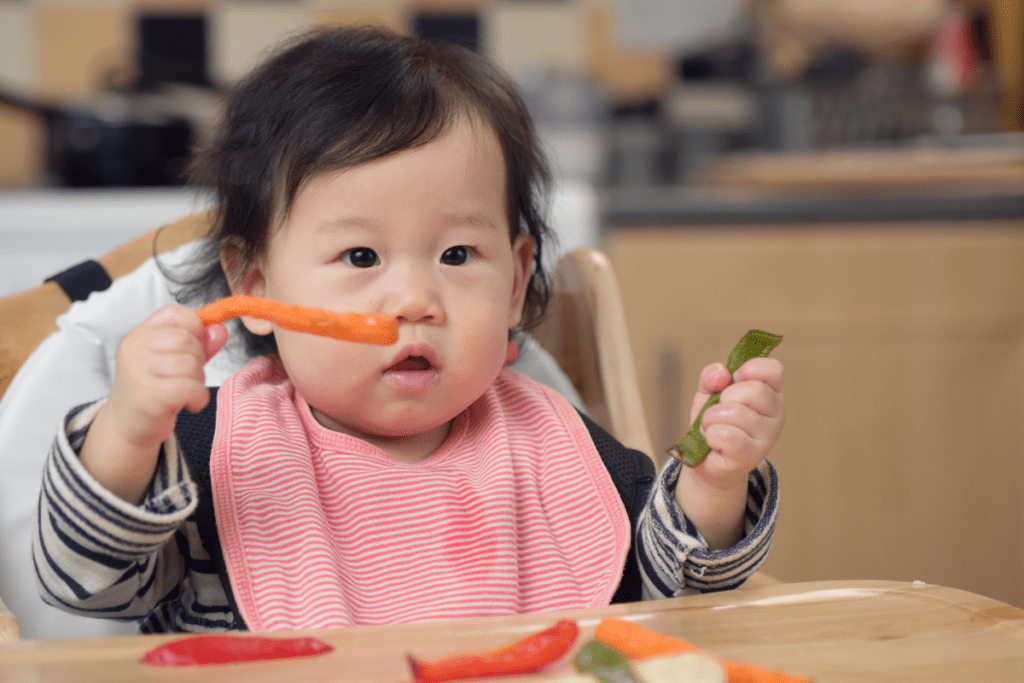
(524, 656)
(228, 649)
(639, 643)
(368, 328)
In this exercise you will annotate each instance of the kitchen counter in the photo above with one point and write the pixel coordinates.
(654, 207)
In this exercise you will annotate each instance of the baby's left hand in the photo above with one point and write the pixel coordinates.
(747, 421)
(740, 430)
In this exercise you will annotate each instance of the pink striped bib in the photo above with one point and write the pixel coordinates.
(514, 513)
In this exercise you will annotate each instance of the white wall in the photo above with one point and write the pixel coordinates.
(43, 232)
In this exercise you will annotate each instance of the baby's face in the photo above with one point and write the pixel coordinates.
(421, 235)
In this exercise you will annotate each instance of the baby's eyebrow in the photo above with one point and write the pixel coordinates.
(345, 223)
(470, 219)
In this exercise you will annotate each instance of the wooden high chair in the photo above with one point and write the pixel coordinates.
(585, 331)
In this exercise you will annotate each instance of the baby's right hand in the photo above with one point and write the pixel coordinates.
(159, 371)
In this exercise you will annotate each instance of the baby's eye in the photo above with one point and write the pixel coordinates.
(360, 257)
(455, 256)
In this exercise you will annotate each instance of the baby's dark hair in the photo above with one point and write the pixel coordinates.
(338, 97)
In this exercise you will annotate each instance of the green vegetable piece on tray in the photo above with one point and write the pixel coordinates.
(692, 448)
(604, 663)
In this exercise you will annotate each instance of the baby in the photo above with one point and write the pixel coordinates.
(330, 483)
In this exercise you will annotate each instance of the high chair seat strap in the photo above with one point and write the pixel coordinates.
(81, 280)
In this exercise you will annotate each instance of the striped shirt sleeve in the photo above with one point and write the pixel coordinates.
(674, 560)
(97, 555)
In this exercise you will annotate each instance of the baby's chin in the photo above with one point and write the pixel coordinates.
(390, 432)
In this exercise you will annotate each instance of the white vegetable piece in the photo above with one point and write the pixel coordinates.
(686, 668)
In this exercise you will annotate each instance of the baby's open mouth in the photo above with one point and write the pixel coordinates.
(411, 363)
(414, 373)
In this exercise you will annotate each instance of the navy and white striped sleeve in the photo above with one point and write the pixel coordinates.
(100, 556)
(674, 560)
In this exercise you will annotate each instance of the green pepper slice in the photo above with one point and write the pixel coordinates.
(604, 663)
(692, 448)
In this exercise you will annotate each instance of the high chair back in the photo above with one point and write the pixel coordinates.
(585, 331)
(29, 316)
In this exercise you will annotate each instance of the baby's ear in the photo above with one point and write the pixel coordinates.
(522, 252)
(244, 279)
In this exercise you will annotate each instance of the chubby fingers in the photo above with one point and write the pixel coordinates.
(756, 391)
(713, 378)
(172, 348)
(766, 370)
(212, 338)
(749, 417)
(174, 315)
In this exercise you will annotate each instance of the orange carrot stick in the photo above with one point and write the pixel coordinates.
(640, 643)
(368, 328)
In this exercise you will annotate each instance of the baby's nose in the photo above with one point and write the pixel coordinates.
(416, 298)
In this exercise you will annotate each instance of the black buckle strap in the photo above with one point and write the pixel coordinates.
(81, 280)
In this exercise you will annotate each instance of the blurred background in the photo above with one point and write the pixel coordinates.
(847, 174)
(628, 92)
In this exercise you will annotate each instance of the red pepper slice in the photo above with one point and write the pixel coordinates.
(227, 649)
(524, 656)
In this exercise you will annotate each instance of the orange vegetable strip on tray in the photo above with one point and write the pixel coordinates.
(368, 328)
(524, 656)
(640, 643)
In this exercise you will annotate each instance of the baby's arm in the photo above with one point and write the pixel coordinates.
(709, 528)
(115, 490)
(159, 372)
(741, 429)
(96, 554)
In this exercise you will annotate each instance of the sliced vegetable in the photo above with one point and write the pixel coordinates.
(604, 663)
(526, 655)
(204, 650)
(368, 328)
(692, 667)
(640, 643)
(692, 448)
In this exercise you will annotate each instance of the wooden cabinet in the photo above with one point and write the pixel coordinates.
(903, 453)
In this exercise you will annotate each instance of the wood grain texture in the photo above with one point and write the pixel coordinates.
(833, 632)
(903, 450)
